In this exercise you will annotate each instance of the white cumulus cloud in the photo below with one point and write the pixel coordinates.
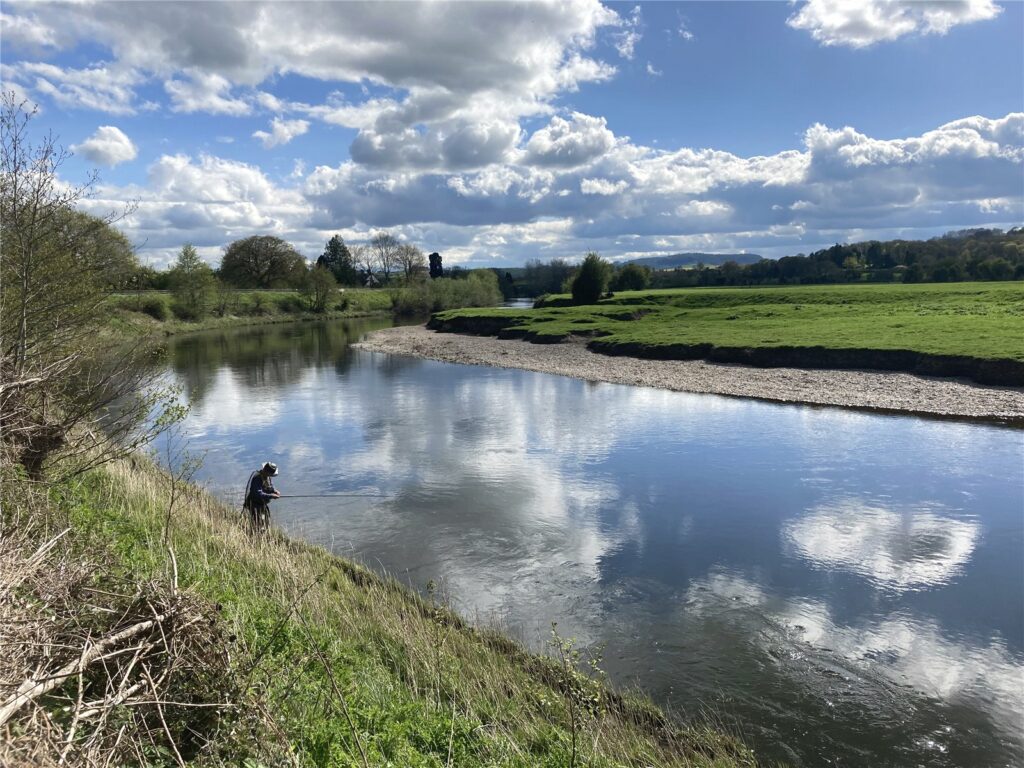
(602, 186)
(106, 88)
(586, 189)
(861, 23)
(281, 132)
(107, 146)
(456, 89)
(205, 92)
(569, 143)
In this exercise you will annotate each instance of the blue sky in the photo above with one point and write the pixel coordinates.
(497, 132)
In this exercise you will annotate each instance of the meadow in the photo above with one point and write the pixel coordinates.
(962, 329)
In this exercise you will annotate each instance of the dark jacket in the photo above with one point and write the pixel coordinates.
(260, 493)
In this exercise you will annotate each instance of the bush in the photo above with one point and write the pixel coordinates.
(226, 300)
(183, 311)
(591, 281)
(155, 307)
(291, 304)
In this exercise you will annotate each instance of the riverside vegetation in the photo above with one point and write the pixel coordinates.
(144, 312)
(965, 329)
(142, 624)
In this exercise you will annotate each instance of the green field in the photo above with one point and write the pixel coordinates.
(933, 328)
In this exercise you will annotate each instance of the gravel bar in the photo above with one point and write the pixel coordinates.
(876, 390)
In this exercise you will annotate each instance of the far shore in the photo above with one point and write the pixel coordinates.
(874, 390)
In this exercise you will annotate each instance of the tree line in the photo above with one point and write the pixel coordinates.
(963, 255)
(268, 262)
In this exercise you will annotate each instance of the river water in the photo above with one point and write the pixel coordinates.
(840, 588)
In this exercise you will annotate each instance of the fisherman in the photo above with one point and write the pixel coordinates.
(260, 493)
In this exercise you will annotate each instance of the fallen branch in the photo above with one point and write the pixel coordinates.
(32, 689)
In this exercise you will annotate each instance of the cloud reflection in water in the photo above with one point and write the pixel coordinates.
(896, 549)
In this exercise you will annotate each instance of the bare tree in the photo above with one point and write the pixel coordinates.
(411, 260)
(65, 388)
(363, 261)
(384, 248)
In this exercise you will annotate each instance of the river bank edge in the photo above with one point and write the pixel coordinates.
(307, 627)
(881, 391)
(141, 326)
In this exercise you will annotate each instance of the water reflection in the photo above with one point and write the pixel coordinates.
(897, 549)
(911, 651)
(834, 581)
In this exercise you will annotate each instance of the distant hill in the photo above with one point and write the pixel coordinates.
(677, 260)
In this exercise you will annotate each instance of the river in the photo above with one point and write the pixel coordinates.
(840, 588)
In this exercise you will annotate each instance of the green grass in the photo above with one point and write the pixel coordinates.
(422, 687)
(977, 320)
(133, 313)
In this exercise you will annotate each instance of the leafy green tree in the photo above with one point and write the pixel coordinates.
(192, 284)
(591, 280)
(60, 376)
(632, 277)
(318, 288)
(338, 259)
(262, 261)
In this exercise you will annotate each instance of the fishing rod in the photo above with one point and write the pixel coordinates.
(332, 495)
(329, 495)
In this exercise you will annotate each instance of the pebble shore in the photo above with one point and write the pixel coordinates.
(898, 392)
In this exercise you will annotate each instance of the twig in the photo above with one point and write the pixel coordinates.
(32, 689)
(160, 711)
(451, 737)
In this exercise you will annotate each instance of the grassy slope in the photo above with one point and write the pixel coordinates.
(277, 307)
(983, 320)
(422, 687)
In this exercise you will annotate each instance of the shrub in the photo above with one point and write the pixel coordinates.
(226, 300)
(155, 307)
(317, 287)
(591, 281)
(183, 311)
(291, 304)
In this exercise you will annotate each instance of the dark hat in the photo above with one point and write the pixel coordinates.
(269, 468)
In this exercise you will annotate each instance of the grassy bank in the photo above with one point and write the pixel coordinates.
(331, 664)
(148, 312)
(960, 329)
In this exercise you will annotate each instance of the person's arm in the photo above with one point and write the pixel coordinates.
(258, 493)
